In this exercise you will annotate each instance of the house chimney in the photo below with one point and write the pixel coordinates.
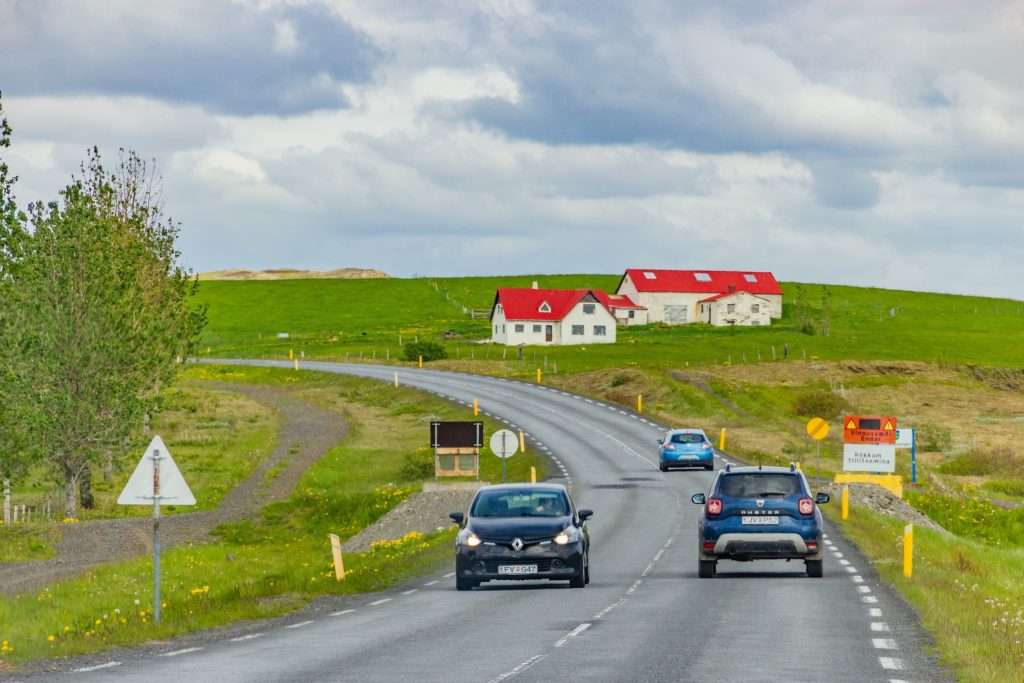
(534, 285)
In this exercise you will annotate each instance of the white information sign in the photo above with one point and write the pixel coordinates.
(869, 457)
(141, 487)
(904, 438)
(504, 443)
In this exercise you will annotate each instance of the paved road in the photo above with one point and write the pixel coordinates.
(645, 617)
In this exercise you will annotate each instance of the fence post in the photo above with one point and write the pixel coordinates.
(7, 501)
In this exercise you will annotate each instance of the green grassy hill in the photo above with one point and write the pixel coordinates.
(348, 318)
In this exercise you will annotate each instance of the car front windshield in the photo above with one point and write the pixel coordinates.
(759, 485)
(688, 437)
(520, 503)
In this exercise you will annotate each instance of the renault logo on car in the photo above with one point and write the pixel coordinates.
(760, 502)
(517, 544)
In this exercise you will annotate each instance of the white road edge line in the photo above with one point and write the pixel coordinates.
(874, 612)
(249, 636)
(891, 663)
(342, 612)
(98, 667)
(183, 651)
(519, 669)
(609, 608)
(884, 644)
(431, 583)
(573, 633)
(300, 624)
(879, 627)
(379, 602)
(449, 575)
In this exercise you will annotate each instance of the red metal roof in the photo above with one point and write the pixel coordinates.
(711, 282)
(723, 295)
(525, 303)
(618, 301)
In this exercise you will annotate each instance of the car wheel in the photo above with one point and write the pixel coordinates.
(710, 467)
(586, 571)
(706, 568)
(580, 580)
(814, 569)
(462, 584)
(663, 467)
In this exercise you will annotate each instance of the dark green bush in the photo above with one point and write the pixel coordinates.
(428, 350)
(417, 466)
(933, 438)
(820, 403)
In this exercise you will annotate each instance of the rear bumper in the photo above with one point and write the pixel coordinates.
(687, 459)
(762, 546)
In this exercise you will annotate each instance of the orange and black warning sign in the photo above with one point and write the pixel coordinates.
(869, 429)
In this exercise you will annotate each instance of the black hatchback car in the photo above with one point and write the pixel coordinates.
(522, 531)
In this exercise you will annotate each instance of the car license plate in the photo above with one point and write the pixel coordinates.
(751, 519)
(517, 569)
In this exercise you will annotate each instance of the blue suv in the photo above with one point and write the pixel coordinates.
(685, 448)
(759, 513)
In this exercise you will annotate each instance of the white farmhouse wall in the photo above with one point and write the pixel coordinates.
(576, 316)
(775, 300)
(532, 333)
(639, 316)
(499, 333)
(655, 302)
(717, 312)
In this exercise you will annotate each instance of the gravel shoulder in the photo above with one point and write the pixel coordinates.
(424, 512)
(306, 433)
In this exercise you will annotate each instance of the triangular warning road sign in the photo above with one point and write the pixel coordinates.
(888, 427)
(140, 489)
(851, 425)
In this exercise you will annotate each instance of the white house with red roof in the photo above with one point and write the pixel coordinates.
(539, 317)
(678, 297)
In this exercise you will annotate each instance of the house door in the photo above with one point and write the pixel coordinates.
(675, 315)
(549, 333)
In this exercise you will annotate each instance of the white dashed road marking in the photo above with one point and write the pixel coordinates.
(430, 583)
(342, 612)
(891, 663)
(249, 636)
(875, 612)
(572, 634)
(300, 624)
(519, 669)
(884, 644)
(98, 667)
(184, 651)
(879, 627)
(375, 603)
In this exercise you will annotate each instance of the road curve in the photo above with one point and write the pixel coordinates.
(645, 617)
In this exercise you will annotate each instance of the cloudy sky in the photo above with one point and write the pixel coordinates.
(876, 143)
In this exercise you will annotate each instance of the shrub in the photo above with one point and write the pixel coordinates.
(820, 403)
(984, 463)
(933, 438)
(1007, 487)
(428, 350)
(619, 380)
(417, 466)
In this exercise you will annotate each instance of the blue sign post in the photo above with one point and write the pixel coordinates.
(907, 438)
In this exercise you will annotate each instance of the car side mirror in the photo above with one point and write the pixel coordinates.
(584, 515)
(457, 517)
(661, 441)
(698, 499)
(822, 498)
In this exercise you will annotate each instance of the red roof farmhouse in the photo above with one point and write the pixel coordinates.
(537, 316)
(718, 297)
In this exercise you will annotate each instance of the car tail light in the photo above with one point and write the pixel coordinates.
(669, 447)
(706, 445)
(709, 546)
(812, 545)
(714, 507)
(806, 506)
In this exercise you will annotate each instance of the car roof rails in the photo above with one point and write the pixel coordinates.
(728, 467)
(792, 467)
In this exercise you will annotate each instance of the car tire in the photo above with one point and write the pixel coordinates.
(580, 580)
(814, 569)
(663, 467)
(706, 568)
(462, 584)
(710, 467)
(586, 571)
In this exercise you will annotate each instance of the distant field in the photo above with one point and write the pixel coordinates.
(339, 318)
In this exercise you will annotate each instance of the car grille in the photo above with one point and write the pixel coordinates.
(543, 564)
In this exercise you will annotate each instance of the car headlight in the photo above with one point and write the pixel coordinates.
(568, 535)
(472, 540)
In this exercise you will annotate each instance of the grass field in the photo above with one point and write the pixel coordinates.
(279, 561)
(355, 319)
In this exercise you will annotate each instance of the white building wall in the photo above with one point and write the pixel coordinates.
(498, 326)
(717, 312)
(576, 316)
(532, 333)
(639, 316)
(775, 300)
(655, 302)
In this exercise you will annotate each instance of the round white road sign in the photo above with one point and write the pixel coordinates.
(504, 443)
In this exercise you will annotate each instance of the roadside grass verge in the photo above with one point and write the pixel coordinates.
(276, 562)
(25, 542)
(217, 438)
(969, 595)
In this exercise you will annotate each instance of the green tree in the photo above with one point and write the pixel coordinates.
(100, 316)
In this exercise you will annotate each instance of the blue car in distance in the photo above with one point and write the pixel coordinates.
(759, 513)
(685, 448)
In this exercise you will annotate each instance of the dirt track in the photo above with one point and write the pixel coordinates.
(306, 433)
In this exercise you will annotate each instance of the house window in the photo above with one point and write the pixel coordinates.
(520, 328)
(649, 275)
(632, 314)
(588, 309)
(749, 277)
(599, 330)
(702, 277)
(755, 308)
(536, 329)
(577, 330)
(495, 329)
(730, 308)
(544, 307)
(498, 308)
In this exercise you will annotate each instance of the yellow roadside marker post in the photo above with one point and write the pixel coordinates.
(295, 361)
(533, 474)
(908, 550)
(639, 403)
(291, 354)
(721, 440)
(522, 441)
(339, 564)
(396, 380)
(845, 498)
(476, 408)
(539, 376)
(421, 361)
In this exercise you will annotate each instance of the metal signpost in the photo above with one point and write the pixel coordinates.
(504, 443)
(156, 478)
(817, 429)
(456, 448)
(907, 438)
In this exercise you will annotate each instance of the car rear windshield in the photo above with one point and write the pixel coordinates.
(687, 438)
(759, 485)
(523, 503)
